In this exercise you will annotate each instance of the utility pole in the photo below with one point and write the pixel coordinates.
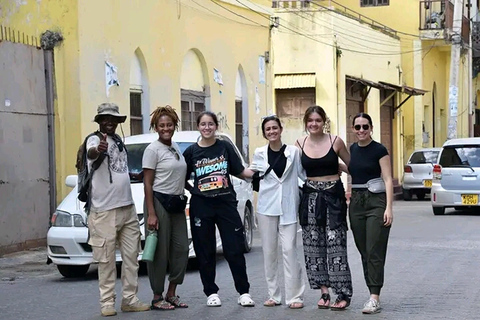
(456, 39)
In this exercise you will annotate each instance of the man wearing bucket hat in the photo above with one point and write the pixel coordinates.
(113, 217)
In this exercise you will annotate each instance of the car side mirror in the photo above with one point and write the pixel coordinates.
(71, 181)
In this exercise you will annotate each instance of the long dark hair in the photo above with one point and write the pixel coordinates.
(363, 115)
(207, 113)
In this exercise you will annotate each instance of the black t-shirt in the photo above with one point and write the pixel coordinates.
(364, 162)
(212, 167)
(280, 165)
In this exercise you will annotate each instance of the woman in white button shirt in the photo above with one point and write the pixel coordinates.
(277, 206)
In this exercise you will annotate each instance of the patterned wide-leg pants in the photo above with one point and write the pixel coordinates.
(326, 254)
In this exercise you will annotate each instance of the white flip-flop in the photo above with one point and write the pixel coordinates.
(245, 300)
(213, 300)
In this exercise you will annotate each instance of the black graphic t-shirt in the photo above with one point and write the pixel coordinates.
(212, 167)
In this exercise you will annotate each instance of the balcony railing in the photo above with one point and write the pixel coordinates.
(438, 15)
(289, 4)
(333, 6)
(476, 39)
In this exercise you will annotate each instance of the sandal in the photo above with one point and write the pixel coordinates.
(340, 298)
(175, 301)
(161, 304)
(213, 300)
(271, 303)
(325, 297)
(296, 305)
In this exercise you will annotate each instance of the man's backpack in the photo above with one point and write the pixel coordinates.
(84, 176)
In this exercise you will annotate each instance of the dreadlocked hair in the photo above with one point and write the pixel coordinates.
(163, 111)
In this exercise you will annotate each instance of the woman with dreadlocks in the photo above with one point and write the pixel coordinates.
(164, 171)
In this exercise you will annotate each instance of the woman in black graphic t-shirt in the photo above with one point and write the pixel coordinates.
(214, 203)
(370, 208)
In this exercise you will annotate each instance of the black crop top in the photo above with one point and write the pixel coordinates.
(320, 167)
(365, 161)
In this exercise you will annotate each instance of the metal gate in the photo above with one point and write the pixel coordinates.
(26, 146)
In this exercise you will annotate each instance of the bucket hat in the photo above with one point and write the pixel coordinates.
(109, 109)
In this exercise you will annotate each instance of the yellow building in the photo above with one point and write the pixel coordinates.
(424, 29)
(191, 54)
(345, 64)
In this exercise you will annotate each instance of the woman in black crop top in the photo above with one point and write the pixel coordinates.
(323, 212)
(370, 213)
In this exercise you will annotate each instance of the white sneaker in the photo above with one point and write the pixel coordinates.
(371, 306)
(245, 300)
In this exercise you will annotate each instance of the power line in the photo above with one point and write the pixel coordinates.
(328, 44)
(217, 14)
(349, 36)
(397, 31)
(239, 15)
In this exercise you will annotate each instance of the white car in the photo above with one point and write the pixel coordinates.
(67, 245)
(417, 173)
(456, 176)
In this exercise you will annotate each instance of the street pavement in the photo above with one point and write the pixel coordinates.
(432, 272)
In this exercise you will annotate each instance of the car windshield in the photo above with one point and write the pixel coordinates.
(135, 155)
(424, 157)
(460, 156)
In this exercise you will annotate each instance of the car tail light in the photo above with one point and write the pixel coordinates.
(437, 172)
(407, 169)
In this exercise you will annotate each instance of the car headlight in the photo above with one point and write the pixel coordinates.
(65, 219)
(78, 221)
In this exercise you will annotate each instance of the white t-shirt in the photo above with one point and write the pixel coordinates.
(106, 195)
(170, 172)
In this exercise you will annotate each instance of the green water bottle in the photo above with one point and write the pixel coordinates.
(150, 246)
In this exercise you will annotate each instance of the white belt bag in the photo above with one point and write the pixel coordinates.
(376, 185)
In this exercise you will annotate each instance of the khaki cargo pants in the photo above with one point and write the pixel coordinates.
(107, 228)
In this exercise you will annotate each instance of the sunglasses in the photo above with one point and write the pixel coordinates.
(365, 127)
(175, 153)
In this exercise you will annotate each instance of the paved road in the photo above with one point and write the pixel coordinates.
(432, 273)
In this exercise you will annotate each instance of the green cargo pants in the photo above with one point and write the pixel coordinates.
(366, 212)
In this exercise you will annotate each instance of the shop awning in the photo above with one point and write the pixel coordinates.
(410, 91)
(369, 83)
(294, 80)
(406, 89)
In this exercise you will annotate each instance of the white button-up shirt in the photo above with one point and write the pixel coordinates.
(279, 196)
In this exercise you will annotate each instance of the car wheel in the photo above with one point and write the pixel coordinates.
(248, 229)
(438, 211)
(73, 271)
(407, 195)
(421, 196)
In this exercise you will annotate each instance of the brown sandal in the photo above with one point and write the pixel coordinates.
(175, 301)
(160, 304)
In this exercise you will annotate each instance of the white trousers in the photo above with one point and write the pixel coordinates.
(271, 231)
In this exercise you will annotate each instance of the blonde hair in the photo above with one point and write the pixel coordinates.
(164, 111)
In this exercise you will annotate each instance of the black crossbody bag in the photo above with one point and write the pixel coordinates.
(257, 177)
(172, 203)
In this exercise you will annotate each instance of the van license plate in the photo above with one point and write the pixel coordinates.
(470, 199)
(427, 183)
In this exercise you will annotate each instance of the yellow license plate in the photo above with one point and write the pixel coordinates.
(470, 199)
(427, 183)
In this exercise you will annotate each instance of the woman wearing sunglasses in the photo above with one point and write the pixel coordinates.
(323, 212)
(277, 205)
(214, 203)
(164, 170)
(370, 208)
